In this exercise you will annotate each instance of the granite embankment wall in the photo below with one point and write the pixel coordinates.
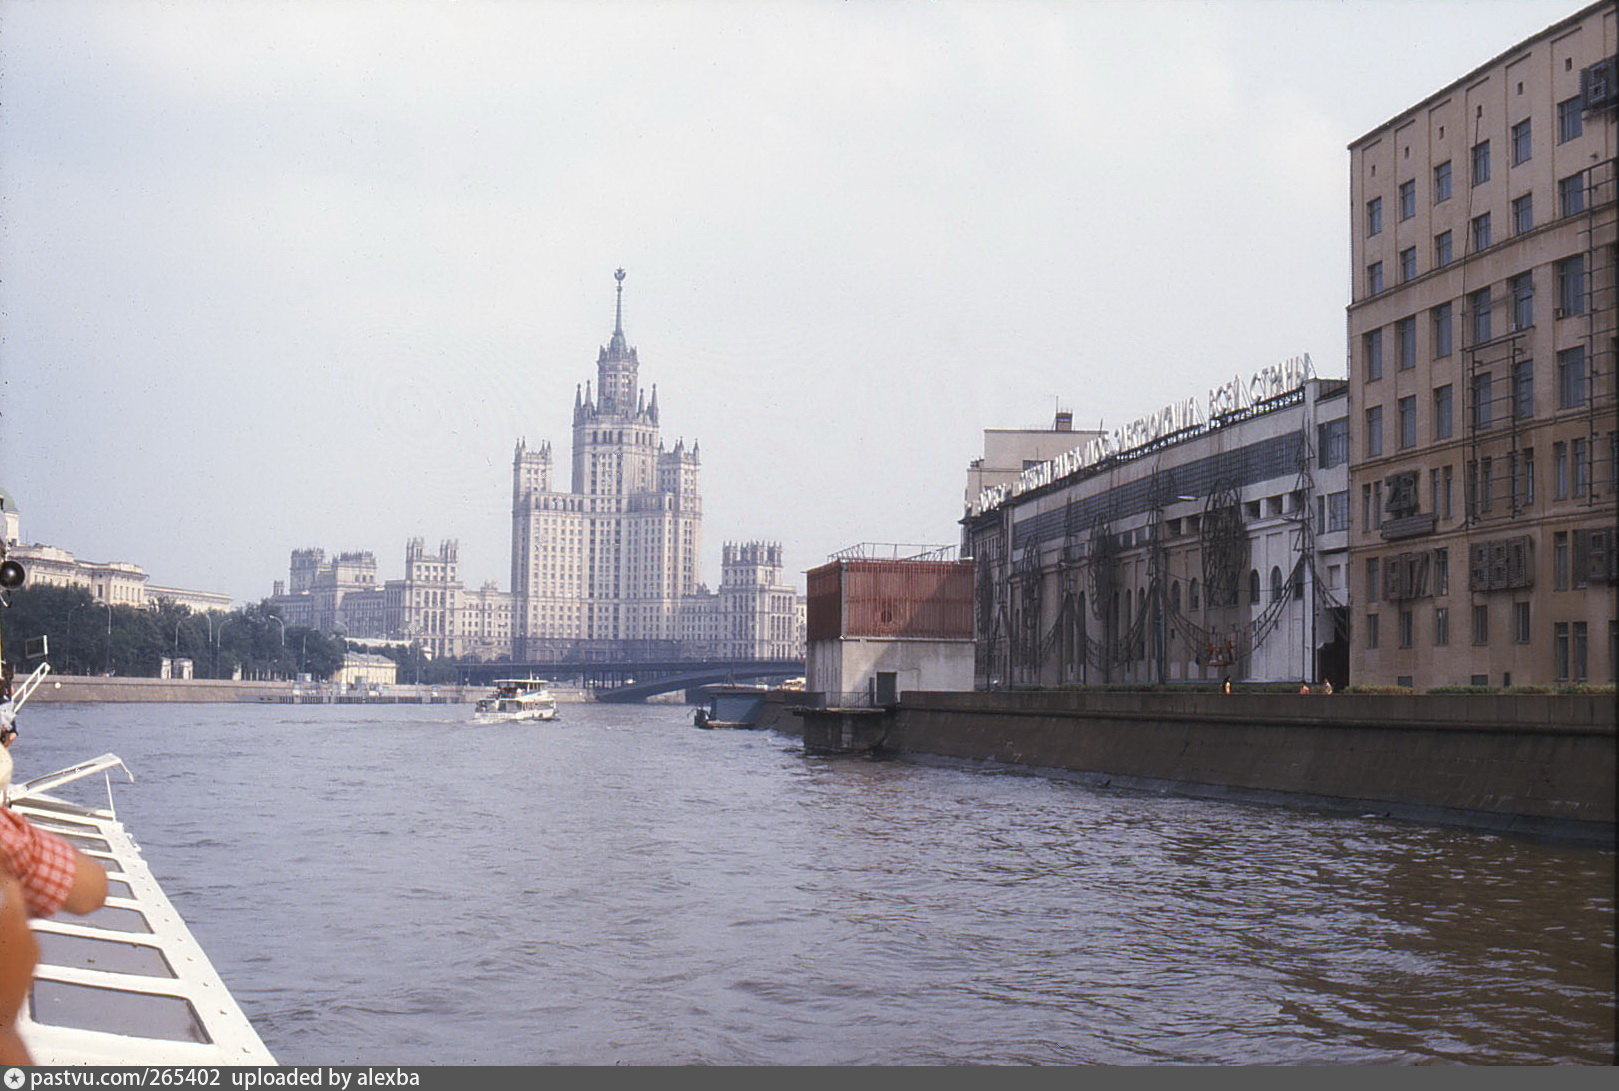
(86, 688)
(1540, 764)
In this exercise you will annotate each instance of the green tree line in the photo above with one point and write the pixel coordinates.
(89, 637)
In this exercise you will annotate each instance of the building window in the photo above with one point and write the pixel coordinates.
(1523, 477)
(1579, 664)
(1571, 286)
(1570, 120)
(1333, 440)
(1560, 471)
(1571, 384)
(1520, 623)
(1444, 249)
(1521, 143)
(1523, 213)
(1480, 227)
(1372, 354)
(1478, 304)
(1408, 263)
(1442, 399)
(1408, 199)
(1441, 625)
(1441, 572)
(1580, 462)
(1408, 421)
(1560, 561)
(1441, 182)
(1405, 342)
(1447, 478)
(1374, 216)
(1571, 194)
(1481, 624)
(1373, 567)
(1483, 400)
(1441, 330)
(1523, 389)
(1374, 431)
(1374, 277)
(1253, 585)
(1481, 162)
(1371, 630)
(1406, 628)
(1523, 300)
(1337, 511)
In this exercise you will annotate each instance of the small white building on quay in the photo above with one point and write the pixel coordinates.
(1203, 542)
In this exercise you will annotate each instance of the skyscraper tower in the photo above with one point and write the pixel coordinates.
(600, 570)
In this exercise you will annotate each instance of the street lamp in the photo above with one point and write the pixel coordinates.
(107, 670)
(67, 645)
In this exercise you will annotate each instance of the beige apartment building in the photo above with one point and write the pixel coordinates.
(1485, 460)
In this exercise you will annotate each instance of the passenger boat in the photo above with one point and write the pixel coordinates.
(514, 700)
(127, 984)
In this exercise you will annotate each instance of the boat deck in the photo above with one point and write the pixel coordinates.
(127, 984)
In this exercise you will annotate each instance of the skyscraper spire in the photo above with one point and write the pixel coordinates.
(616, 346)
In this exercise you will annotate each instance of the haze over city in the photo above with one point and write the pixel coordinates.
(300, 274)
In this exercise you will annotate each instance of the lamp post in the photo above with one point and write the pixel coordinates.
(283, 625)
(107, 669)
(67, 645)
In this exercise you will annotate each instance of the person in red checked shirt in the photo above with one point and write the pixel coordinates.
(40, 873)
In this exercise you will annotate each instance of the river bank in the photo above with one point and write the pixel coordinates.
(83, 688)
(1535, 764)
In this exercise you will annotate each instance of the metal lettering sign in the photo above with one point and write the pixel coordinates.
(1228, 398)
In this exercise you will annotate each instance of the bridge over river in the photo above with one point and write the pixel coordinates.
(630, 682)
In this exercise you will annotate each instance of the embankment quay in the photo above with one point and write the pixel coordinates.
(1540, 765)
(77, 688)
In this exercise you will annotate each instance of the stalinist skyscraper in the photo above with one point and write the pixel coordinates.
(600, 570)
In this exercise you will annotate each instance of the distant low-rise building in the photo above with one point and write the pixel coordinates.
(362, 670)
(118, 583)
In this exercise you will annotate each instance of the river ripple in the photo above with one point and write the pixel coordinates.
(393, 885)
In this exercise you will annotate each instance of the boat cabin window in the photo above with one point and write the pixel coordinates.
(112, 956)
(115, 1011)
(84, 842)
(116, 918)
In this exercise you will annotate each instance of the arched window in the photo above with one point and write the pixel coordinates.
(1298, 580)
(1175, 597)
(1191, 597)
(1253, 585)
(1275, 582)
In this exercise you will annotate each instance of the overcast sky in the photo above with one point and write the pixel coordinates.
(276, 275)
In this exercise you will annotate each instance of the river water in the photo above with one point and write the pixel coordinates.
(391, 885)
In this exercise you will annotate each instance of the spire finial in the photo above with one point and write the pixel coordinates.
(618, 310)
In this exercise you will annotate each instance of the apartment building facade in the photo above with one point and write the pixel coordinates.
(1484, 466)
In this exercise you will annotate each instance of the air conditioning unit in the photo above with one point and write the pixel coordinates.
(1599, 84)
(1560, 312)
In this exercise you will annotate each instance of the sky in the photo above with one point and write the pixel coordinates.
(276, 275)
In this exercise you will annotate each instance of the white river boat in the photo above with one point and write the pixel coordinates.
(515, 700)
